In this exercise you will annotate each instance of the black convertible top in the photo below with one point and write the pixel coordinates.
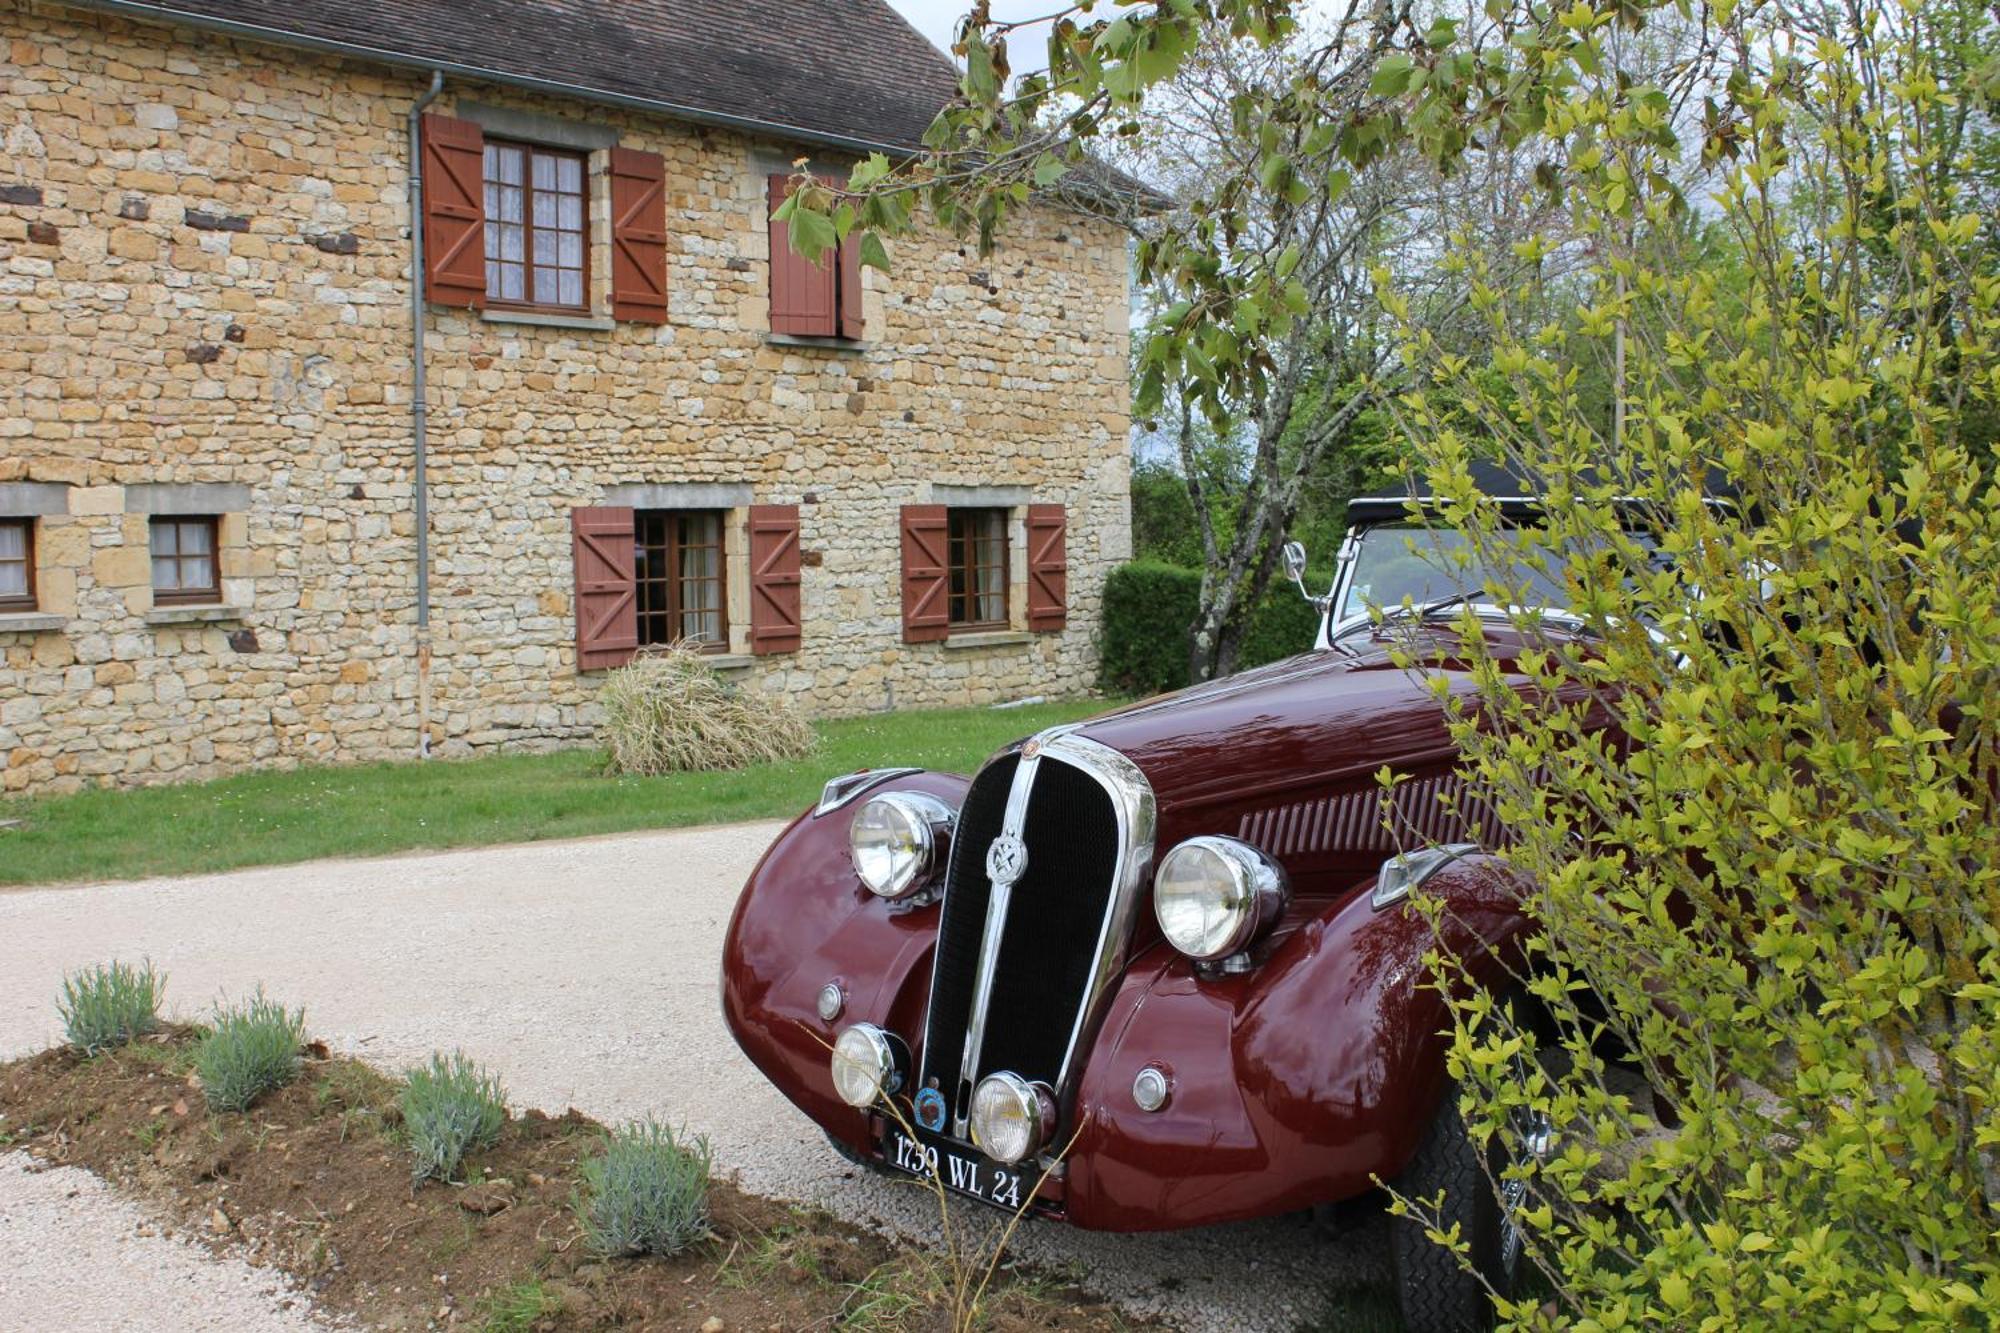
(1517, 492)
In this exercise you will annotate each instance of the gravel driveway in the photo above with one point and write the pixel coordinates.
(584, 972)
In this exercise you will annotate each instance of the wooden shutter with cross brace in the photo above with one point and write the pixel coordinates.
(454, 166)
(607, 622)
(638, 236)
(775, 625)
(926, 574)
(1048, 567)
(853, 324)
(802, 292)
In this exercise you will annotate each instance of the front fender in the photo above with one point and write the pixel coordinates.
(1298, 1082)
(805, 919)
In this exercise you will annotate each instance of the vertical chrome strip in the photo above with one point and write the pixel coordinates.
(998, 896)
(1132, 800)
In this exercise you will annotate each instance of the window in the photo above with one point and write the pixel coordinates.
(976, 541)
(678, 568)
(17, 564)
(535, 238)
(184, 567)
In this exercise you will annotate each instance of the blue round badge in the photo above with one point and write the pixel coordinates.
(930, 1108)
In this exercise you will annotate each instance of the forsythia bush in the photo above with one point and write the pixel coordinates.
(1771, 945)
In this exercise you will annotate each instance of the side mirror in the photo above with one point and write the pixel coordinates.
(1295, 563)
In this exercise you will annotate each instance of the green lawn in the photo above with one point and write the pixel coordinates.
(272, 818)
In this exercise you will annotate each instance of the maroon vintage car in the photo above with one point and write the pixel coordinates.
(1155, 970)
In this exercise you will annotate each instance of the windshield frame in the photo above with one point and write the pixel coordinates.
(1333, 628)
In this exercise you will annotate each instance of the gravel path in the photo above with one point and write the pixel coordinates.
(74, 1255)
(586, 973)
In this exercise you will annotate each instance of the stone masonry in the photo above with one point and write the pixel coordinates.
(204, 308)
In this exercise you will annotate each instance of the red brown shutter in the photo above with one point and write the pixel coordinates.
(852, 323)
(638, 236)
(774, 579)
(926, 607)
(1048, 566)
(454, 158)
(802, 293)
(607, 622)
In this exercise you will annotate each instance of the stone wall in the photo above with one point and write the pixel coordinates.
(204, 252)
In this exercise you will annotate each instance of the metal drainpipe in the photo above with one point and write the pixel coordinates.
(419, 415)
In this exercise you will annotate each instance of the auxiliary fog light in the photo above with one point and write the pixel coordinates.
(1011, 1118)
(865, 1067)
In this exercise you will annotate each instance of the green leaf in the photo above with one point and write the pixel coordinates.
(1392, 76)
(811, 233)
(1048, 170)
(873, 253)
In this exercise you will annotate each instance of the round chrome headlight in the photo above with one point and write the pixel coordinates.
(1214, 896)
(894, 840)
(1011, 1118)
(864, 1065)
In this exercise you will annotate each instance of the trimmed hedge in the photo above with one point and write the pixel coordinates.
(1149, 607)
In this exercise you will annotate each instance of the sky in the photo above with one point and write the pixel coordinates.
(936, 19)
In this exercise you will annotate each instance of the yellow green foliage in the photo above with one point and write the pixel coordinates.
(1769, 943)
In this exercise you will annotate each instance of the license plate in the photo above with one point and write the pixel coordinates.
(960, 1171)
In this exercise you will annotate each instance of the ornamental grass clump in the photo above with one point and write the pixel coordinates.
(109, 1004)
(253, 1049)
(451, 1107)
(667, 711)
(646, 1192)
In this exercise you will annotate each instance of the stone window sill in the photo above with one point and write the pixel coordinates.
(729, 661)
(592, 323)
(30, 622)
(192, 615)
(847, 345)
(996, 638)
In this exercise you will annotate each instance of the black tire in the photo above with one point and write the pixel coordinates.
(1434, 1291)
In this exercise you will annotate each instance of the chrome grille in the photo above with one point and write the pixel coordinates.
(1085, 816)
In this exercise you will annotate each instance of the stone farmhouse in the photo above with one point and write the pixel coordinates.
(244, 522)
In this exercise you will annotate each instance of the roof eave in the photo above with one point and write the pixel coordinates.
(160, 13)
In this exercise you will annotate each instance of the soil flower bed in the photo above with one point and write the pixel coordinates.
(314, 1180)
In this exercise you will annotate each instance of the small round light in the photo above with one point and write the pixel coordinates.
(1011, 1117)
(864, 1065)
(831, 1002)
(1214, 896)
(894, 839)
(1150, 1088)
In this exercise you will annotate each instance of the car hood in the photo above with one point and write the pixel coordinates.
(1320, 718)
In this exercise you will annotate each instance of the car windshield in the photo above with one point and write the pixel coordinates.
(1394, 561)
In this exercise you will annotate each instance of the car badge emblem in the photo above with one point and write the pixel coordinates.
(1006, 859)
(930, 1108)
(1031, 749)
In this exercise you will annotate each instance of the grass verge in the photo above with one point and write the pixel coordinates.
(367, 810)
(314, 1185)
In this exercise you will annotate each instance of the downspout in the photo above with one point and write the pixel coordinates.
(420, 415)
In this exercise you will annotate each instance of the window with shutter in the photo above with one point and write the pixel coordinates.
(814, 300)
(601, 552)
(926, 574)
(638, 236)
(537, 245)
(976, 549)
(678, 560)
(1048, 567)
(454, 155)
(775, 624)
